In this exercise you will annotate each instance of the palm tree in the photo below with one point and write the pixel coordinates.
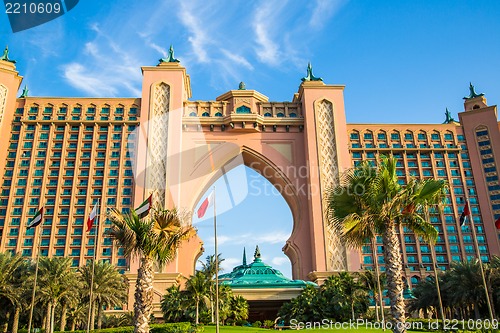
(56, 281)
(209, 269)
(173, 304)
(370, 282)
(11, 284)
(370, 201)
(197, 287)
(154, 239)
(425, 293)
(466, 274)
(352, 290)
(239, 308)
(109, 288)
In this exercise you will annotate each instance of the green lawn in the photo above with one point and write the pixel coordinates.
(239, 329)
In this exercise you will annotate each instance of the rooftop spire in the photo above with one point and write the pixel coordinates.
(472, 92)
(244, 257)
(257, 253)
(449, 118)
(170, 57)
(24, 94)
(310, 76)
(5, 55)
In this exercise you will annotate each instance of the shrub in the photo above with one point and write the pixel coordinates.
(155, 328)
(242, 322)
(257, 323)
(268, 323)
(171, 328)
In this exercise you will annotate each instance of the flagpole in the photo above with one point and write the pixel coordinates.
(434, 264)
(480, 261)
(216, 269)
(36, 277)
(93, 266)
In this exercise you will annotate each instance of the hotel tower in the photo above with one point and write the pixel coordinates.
(67, 154)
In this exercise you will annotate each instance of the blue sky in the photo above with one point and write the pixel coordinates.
(401, 61)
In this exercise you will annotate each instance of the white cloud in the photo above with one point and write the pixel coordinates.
(198, 38)
(78, 76)
(106, 69)
(278, 261)
(237, 59)
(323, 10)
(229, 263)
(267, 49)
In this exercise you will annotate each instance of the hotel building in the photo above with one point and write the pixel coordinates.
(67, 154)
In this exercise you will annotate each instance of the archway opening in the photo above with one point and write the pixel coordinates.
(250, 212)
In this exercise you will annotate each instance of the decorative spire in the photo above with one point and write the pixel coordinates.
(170, 57)
(25, 92)
(449, 118)
(242, 86)
(257, 253)
(472, 92)
(310, 76)
(5, 55)
(244, 257)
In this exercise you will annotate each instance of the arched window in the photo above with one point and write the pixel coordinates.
(243, 110)
(293, 115)
(268, 114)
(205, 114)
(280, 115)
(218, 114)
(193, 114)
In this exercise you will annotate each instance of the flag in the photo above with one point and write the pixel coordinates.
(143, 209)
(36, 220)
(497, 223)
(208, 202)
(465, 213)
(92, 218)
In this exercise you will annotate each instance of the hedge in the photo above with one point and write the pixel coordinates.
(154, 328)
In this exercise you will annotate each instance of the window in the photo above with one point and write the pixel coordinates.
(243, 110)
(368, 136)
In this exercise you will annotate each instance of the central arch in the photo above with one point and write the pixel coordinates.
(273, 171)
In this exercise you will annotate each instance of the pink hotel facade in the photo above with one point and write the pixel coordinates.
(67, 153)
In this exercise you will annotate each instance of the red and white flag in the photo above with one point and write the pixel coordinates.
(208, 202)
(92, 218)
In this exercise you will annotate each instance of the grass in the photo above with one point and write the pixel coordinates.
(239, 329)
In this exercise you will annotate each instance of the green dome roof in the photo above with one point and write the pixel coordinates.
(259, 275)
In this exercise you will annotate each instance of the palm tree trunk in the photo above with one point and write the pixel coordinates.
(143, 305)
(352, 310)
(379, 287)
(64, 312)
(99, 315)
(52, 315)
(394, 273)
(47, 318)
(197, 312)
(92, 316)
(15, 320)
(73, 324)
